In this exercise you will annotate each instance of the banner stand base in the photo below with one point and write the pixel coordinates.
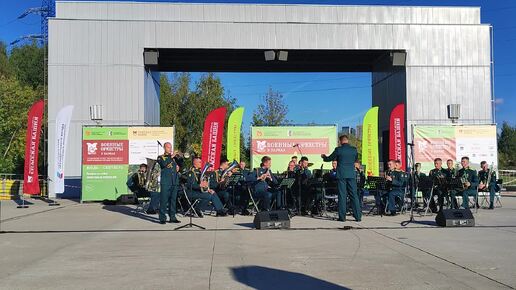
(54, 203)
(23, 205)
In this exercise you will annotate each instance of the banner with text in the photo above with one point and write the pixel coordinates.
(370, 153)
(111, 154)
(234, 134)
(212, 136)
(30, 170)
(62, 126)
(281, 143)
(397, 146)
(478, 142)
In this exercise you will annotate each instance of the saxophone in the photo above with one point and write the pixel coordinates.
(464, 179)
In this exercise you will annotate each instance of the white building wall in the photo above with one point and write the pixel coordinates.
(96, 52)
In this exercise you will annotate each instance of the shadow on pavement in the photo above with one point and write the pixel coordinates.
(130, 212)
(263, 278)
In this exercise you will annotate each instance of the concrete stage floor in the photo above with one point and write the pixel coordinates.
(92, 246)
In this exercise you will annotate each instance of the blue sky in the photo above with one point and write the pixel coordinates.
(317, 97)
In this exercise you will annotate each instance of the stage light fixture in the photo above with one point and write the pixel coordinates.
(270, 55)
(399, 58)
(283, 55)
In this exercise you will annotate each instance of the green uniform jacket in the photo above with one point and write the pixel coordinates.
(471, 176)
(346, 155)
(169, 174)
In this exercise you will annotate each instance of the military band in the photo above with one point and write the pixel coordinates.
(231, 187)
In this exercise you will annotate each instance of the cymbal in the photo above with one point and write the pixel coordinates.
(310, 164)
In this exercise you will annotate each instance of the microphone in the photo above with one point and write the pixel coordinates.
(295, 145)
(159, 143)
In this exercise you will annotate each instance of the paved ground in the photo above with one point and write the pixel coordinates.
(91, 246)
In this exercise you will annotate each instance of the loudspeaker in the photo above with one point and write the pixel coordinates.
(455, 218)
(278, 219)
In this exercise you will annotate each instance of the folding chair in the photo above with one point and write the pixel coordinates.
(255, 204)
(191, 205)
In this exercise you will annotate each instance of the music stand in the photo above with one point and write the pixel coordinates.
(376, 184)
(232, 182)
(286, 184)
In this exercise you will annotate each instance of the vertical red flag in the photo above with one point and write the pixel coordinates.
(212, 136)
(30, 176)
(397, 146)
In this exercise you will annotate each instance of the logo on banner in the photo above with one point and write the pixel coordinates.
(92, 148)
(282, 146)
(262, 145)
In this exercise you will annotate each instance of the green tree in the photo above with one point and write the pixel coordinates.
(273, 111)
(4, 61)
(16, 102)
(186, 106)
(507, 147)
(26, 63)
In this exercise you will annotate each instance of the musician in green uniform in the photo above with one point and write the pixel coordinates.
(438, 176)
(169, 185)
(398, 180)
(418, 176)
(469, 179)
(241, 191)
(304, 175)
(221, 188)
(200, 188)
(487, 177)
(265, 184)
(346, 155)
(361, 179)
(451, 173)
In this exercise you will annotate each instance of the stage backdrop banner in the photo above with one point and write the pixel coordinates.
(370, 154)
(397, 145)
(478, 142)
(234, 131)
(278, 143)
(212, 136)
(111, 154)
(62, 126)
(30, 171)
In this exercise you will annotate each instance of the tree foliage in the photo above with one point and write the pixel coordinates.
(26, 63)
(272, 112)
(507, 147)
(16, 100)
(186, 105)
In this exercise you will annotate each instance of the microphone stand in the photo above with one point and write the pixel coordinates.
(412, 187)
(298, 175)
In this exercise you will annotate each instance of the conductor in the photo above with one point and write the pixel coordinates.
(346, 155)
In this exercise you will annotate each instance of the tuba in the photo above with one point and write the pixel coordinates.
(150, 169)
(205, 177)
(223, 182)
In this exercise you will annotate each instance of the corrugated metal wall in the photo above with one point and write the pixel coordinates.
(96, 53)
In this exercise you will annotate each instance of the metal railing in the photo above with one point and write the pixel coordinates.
(509, 179)
(11, 185)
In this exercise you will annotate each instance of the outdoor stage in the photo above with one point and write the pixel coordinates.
(86, 246)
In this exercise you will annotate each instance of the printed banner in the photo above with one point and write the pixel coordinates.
(30, 171)
(234, 131)
(281, 143)
(62, 126)
(212, 136)
(478, 142)
(111, 154)
(370, 154)
(144, 142)
(397, 145)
